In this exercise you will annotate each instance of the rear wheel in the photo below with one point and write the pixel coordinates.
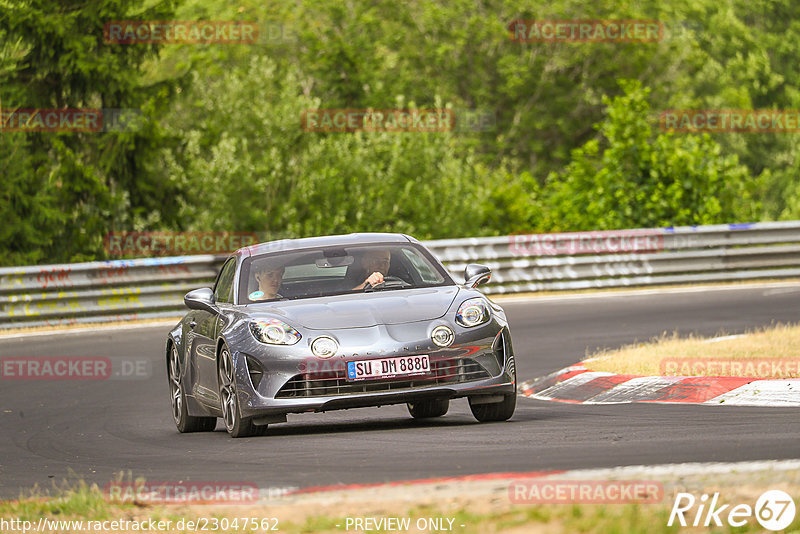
(235, 424)
(180, 412)
(428, 408)
(496, 411)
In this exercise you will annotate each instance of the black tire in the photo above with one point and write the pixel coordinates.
(180, 412)
(235, 424)
(428, 408)
(497, 411)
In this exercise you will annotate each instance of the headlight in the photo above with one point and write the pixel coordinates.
(274, 332)
(324, 347)
(473, 312)
(442, 336)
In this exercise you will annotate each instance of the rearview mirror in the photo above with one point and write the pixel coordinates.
(334, 261)
(200, 299)
(476, 274)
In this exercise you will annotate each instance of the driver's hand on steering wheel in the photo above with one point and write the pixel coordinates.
(374, 279)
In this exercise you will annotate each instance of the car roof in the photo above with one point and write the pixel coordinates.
(324, 241)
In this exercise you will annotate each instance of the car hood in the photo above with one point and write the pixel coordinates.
(363, 309)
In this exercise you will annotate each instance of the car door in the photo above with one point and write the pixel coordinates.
(206, 328)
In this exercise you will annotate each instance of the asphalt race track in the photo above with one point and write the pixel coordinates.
(90, 430)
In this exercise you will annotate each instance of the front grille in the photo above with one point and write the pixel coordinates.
(445, 371)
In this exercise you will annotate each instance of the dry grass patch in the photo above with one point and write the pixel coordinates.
(772, 352)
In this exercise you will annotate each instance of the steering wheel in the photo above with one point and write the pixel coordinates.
(392, 279)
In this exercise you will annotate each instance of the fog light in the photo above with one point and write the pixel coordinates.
(324, 347)
(442, 336)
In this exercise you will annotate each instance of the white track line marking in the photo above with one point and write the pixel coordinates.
(683, 469)
(96, 329)
(642, 292)
(724, 338)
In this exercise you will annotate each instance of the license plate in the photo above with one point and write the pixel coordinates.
(388, 367)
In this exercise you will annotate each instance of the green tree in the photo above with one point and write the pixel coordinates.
(253, 168)
(68, 189)
(632, 178)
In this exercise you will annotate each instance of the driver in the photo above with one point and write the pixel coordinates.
(268, 275)
(377, 262)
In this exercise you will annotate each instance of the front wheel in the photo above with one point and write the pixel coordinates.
(496, 411)
(428, 408)
(236, 426)
(180, 412)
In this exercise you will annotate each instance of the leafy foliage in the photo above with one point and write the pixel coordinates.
(645, 179)
(66, 190)
(222, 148)
(253, 168)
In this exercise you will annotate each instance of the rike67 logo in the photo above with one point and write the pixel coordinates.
(774, 510)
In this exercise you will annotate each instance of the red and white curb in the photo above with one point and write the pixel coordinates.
(579, 384)
(494, 486)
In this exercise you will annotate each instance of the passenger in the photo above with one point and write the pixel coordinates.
(268, 275)
(377, 262)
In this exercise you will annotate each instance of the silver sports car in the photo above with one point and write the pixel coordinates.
(327, 323)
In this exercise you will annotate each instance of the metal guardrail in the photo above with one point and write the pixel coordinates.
(101, 290)
(154, 287)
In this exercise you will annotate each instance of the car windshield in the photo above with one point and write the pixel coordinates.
(338, 270)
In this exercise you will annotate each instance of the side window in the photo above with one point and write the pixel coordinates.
(223, 289)
(427, 272)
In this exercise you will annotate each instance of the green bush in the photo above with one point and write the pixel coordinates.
(632, 177)
(248, 165)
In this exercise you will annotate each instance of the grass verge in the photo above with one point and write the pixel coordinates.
(772, 352)
(464, 507)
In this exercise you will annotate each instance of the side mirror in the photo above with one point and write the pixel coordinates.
(200, 299)
(476, 274)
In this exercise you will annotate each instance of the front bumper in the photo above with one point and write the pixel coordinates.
(292, 380)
